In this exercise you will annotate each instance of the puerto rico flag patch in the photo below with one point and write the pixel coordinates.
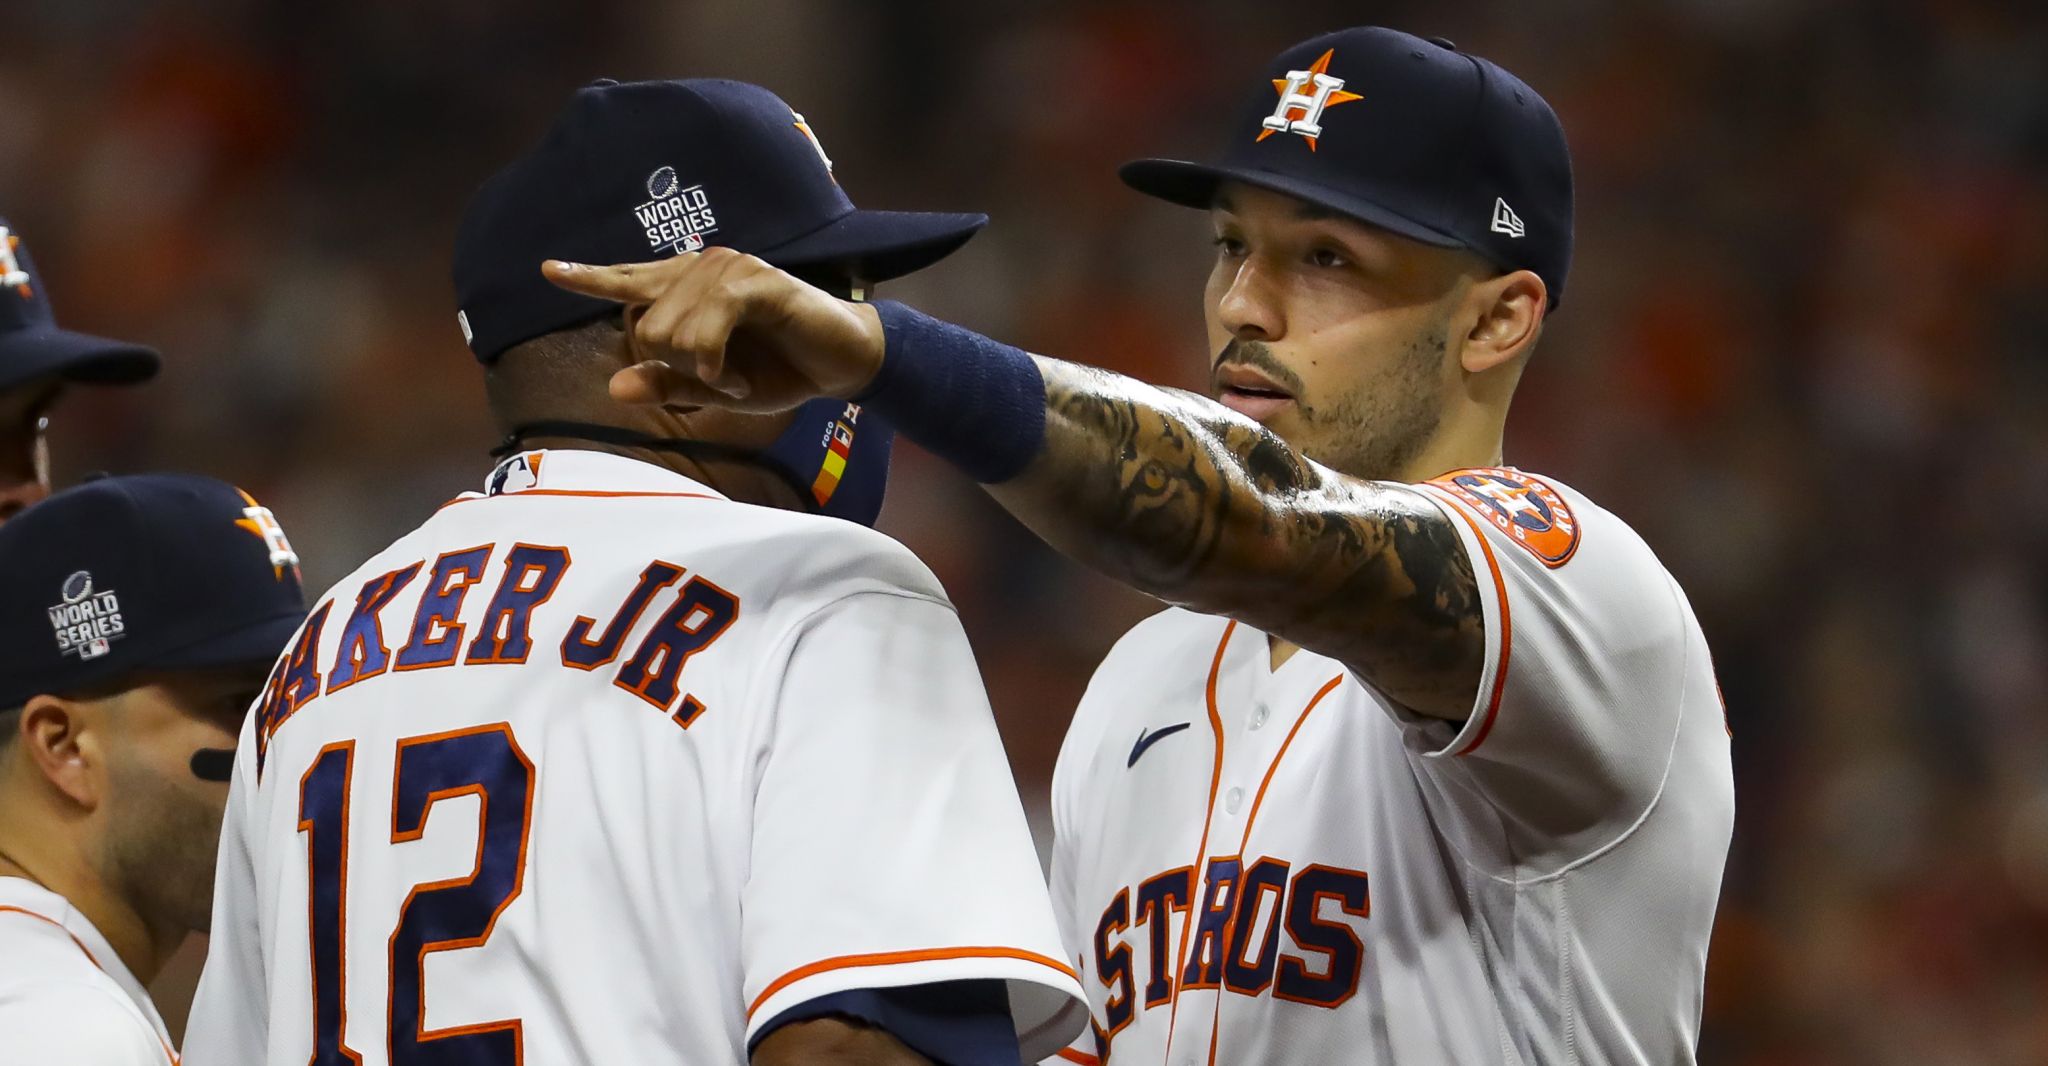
(1531, 512)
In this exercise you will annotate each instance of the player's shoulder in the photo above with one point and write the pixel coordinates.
(47, 979)
(68, 1020)
(756, 551)
(32, 944)
(842, 556)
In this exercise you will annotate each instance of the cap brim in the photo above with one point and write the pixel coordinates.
(32, 353)
(879, 245)
(1194, 185)
(256, 644)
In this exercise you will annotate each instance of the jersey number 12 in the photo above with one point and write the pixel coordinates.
(437, 916)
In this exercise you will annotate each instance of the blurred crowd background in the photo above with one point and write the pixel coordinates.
(1804, 356)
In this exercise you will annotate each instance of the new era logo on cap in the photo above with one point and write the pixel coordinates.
(1505, 220)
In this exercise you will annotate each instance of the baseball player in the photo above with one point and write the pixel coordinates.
(37, 360)
(1429, 764)
(652, 751)
(139, 616)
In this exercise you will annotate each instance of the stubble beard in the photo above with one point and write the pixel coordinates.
(161, 851)
(1377, 430)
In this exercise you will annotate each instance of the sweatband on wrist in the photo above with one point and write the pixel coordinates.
(974, 402)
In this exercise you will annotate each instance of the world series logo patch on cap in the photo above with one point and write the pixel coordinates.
(86, 621)
(676, 219)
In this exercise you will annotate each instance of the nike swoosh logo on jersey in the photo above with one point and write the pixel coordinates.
(1146, 740)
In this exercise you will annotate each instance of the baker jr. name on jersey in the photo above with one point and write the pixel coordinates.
(694, 613)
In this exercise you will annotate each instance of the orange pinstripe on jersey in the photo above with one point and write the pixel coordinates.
(58, 924)
(1507, 632)
(1201, 852)
(1081, 1057)
(896, 958)
(1252, 817)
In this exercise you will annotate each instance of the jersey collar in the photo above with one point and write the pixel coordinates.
(20, 893)
(574, 471)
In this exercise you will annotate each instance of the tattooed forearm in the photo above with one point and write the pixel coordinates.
(1191, 503)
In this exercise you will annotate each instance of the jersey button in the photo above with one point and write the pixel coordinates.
(1233, 799)
(1259, 715)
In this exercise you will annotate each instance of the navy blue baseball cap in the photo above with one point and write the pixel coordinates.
(646, 170)
(155, 572)
(1406, 134)
(31, 345)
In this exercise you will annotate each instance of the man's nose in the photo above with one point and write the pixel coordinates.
(1250, 308)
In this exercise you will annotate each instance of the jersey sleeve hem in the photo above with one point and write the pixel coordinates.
(1045, 994)
(1499, 623)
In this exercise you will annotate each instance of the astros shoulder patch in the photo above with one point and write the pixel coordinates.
(1525, 508)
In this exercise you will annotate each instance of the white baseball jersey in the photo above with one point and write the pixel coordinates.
(65, 997)
(1283, 866)
(602, 767)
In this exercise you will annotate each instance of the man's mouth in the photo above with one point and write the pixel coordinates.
(1250, 392)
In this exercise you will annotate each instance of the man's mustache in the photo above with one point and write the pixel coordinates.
(1258, 356)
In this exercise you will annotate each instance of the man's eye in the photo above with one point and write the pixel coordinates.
(1230, 247)
(1328, 257)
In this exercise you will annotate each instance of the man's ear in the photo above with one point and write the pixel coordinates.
(1509, 318)
(57, 739)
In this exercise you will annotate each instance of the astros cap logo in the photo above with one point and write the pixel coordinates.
(11, 273)
(1302, 112)
(257, 519)
(812, 136)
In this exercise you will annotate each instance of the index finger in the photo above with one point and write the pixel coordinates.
(627, 283)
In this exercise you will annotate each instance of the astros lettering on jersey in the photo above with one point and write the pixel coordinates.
(600, 766)
(1284, 866)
